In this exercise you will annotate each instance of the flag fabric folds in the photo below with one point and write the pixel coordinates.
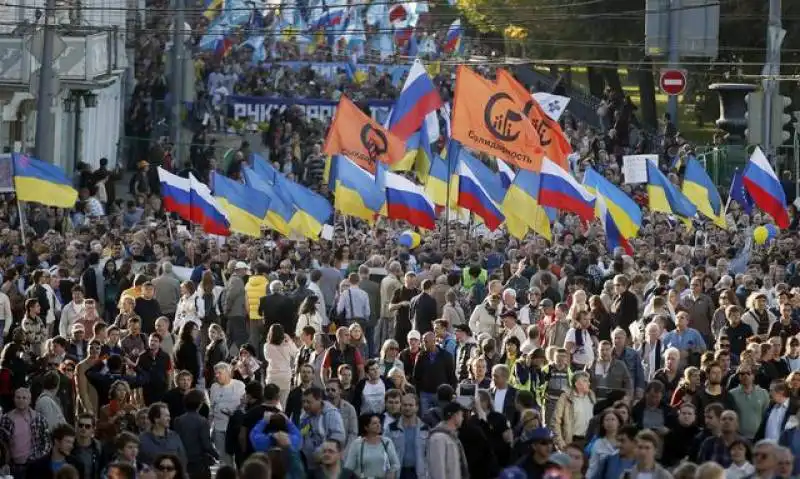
(664, 196)
(205, 210)
(614, 238)
(452, 40)
(245, 207)
(489, 119)
(42, 182)
(405, 200)
(765, 188)
(443, 177)
(175, 193)
(739, 194)
(480, 190)
(548, 139)
(553, 105)
(506, 174)
(700, 190)
(360, 138)
(418, 98)
(559, 189)
(280, 212)
(356, 191)
(522, 209)
(623, 211)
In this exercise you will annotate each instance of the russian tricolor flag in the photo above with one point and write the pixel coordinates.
(474, 194)
(205, 210)
(764, 187)
(175, 193)
(407, 201)
(452, 42)
(507, 175)
(191, 200)
(418, 98)
(557, 188)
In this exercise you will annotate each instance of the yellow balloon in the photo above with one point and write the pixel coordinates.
(760, 235)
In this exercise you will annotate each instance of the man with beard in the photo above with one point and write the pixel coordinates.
(714, 392)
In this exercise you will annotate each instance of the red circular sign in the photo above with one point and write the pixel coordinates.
(672, 82)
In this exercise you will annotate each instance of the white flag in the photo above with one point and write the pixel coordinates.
(553, 105)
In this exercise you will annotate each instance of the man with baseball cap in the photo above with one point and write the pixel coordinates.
(537, 463)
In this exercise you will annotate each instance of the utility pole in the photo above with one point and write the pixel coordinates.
(45, 98)
(674, 59)
(772, 69)
(178, 68)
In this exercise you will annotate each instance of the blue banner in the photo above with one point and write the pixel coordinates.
(329, 70)
(259, 108)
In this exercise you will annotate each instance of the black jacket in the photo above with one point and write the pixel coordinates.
(193, 431)
(434, 369)
(423, 312)
(158, 368)
(509, 404)
(102, 382)
(186, 357)
(792, 410)
(625, 310)
(277, 308)
(43, 469)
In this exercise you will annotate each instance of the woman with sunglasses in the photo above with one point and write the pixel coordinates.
(168, 466)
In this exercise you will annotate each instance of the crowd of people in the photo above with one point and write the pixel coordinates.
(134, 348)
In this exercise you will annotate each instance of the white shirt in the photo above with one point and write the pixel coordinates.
(524, 315)
(500, 399)
(373, 398)
(774, 425)
(584, 354)
(739, 472)
(582, 411)
(225, 398)
(650, 361)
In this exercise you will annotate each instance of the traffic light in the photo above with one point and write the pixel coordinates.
(754, 115)
(780, 120)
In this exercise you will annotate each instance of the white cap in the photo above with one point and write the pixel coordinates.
(241, 265)
(413, 335)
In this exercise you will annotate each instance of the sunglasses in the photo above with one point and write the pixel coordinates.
(85, 426)
(165, 467)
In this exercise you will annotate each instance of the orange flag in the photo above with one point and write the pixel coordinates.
(549, 137)
(360, 138)
(490, 119)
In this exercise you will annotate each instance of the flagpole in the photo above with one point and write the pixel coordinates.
(169, 228)
(21, 222)
(447, 207)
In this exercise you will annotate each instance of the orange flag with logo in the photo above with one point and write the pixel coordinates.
(488, 118)
(357, 136)
(549, 137)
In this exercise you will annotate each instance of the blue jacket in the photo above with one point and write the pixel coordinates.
(263, 442)
(612, 467)
(633, 361)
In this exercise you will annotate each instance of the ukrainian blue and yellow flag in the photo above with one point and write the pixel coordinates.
(41, 182)
(522, 209)
(356, 191)
(280, 212)
(666, 197)
(700, 190)
(212, 8)
(625, 213)
(443, 171)
(246, 207)
(410, 157)
(311, 209)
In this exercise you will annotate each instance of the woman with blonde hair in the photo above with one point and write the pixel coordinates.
(126, 305)
(389, 357)
(578, 304)
(687, 388)
(119, 414)
(358, 340)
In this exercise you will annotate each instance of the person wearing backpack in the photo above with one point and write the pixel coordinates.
(372, 455)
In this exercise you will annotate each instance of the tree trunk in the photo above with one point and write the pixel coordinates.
(647, 94)
(596, 81)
